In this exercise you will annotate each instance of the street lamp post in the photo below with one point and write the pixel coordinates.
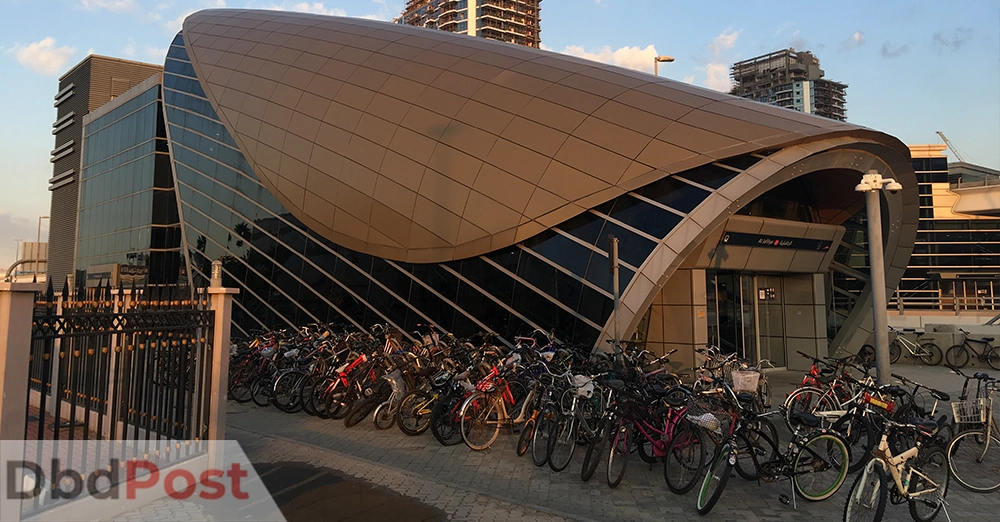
(657, 60)
(871, 184)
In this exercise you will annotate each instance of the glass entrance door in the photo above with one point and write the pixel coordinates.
(732, 322)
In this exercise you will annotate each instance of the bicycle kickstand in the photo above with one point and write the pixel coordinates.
(785, 500)
(944, 507)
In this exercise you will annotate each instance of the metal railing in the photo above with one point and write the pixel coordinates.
(117, 364)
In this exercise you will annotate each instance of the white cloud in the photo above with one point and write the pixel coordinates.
(725, 40)
(717, 77)
(44, 57)
(129, 49)
(630, 57)
(306, 7)
(110, 5)
(177, 23)
(155, 54)
(853, 42)
(688, 79)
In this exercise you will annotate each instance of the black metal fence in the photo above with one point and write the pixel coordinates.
(115, 364)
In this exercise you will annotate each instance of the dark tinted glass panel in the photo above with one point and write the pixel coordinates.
(561, 250)
(709, 175)
(488, 278)
(595, 306)
(741, 162)
(674, 194)
(632, 248)
(586, 226)
(648, 218)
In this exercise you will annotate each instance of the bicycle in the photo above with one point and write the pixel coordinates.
(484, 413)
(928, 352)
(974, 455)
(815, 461)
(919, 474)
(958, 355)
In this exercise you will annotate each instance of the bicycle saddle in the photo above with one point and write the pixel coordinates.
(895, 391)
(986, 339)
(616, 384)
(940, 395)
(744, 397)
(925, 426)
(981, 376)
(806, 419)
(676, 400)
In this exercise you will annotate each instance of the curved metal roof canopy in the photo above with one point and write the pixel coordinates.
(426, 146)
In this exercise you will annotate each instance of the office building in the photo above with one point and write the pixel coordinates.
(88, 85)
(955, 267)
(790, 79)
(337, 181)
(512, 21)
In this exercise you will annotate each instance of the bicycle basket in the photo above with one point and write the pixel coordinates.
(970, 412)
(584, 386)
(745, 381)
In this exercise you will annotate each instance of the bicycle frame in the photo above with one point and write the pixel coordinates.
(897, 469)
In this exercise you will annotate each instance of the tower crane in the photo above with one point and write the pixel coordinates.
(951, 147)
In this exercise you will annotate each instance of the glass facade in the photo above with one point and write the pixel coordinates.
(128, 209)
(288, 275)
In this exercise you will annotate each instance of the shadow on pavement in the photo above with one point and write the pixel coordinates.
(307, 493)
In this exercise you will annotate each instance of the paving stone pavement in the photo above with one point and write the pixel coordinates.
(496, 484)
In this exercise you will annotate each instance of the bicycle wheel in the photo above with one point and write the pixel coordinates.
(867, 355)
(318, 397)
(285, 394)
(618, 453)
(763, 397)
(957, 356)
(360, 411)
(866, 501)
(306, 391)
(820, 468)
(859, 435)
(239, 384)
(444, 420)
(975, 461)
(414, 414)
(339, 401)
(479, 421)
(894, 351)
(716, 478)
(595, 451)
(685, 457)
(993, 358)
(930, 354)
(758, 442)
(260, 391)
(562, 442)
(540, 439)
(524, 439)
(384, 417)
(808, 400)
(933, 463)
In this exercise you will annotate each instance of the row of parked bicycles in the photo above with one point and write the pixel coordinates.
(625, 403)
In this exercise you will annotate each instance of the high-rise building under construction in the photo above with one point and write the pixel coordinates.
(512, 21)
(792, 79)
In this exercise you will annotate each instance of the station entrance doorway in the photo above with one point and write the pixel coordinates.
(746, 314)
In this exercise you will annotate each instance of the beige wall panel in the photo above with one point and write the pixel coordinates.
(535, 136)
(800, 321)
(485, 117)
(569, 182)
(768, 260)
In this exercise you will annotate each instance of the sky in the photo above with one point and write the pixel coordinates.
(913, 67)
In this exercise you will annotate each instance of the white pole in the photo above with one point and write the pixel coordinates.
(614, 283)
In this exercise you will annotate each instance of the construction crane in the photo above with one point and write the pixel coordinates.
(951, 147)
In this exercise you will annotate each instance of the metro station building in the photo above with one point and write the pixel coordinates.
(363, 172)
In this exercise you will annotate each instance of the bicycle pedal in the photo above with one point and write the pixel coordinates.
(784, 499)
